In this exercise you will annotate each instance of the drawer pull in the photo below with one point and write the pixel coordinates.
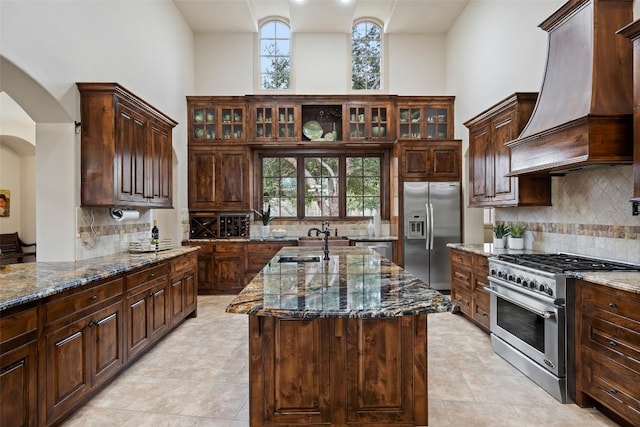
(613, 343)
(613, 305)
(93, 297)
(152, 275)
(613, 391)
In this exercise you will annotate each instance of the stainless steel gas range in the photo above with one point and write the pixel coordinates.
(532, 314)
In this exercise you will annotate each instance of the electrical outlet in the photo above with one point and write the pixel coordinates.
(635, 208)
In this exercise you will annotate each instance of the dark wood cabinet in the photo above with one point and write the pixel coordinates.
(218, 178)
(421, 118)
(221, 267)
(19, 367)
(219, 119)
(328, 371)
(468, 278)
(81, 351)
(126, 155)
(371, 120)
(184, 287)
(147, 305)
(276, 121)
(607, 343)
(430, 161)
(260, 253)
(57, 352)
(490, 159)
(632, 31)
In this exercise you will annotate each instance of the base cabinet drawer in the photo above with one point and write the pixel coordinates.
(462, 299)
(469, 273)
(18, 368)
(613, 386)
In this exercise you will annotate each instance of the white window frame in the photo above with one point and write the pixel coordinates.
(257, 83)
(383, 56)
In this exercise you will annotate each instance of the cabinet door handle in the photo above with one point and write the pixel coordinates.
(93, 323)
(93, 297)
(613, 305)
(613, 343)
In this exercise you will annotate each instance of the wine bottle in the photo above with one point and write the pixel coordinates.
(155, 233)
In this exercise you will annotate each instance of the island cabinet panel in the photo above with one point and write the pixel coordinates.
(379, 371)
(296, 372)
(338, 371)
(469, 272)
(18, 367)
(608, 350)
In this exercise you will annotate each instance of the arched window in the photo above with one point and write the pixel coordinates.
(275, 55)
(366, 55)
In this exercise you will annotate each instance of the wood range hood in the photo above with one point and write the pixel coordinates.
(583, 115)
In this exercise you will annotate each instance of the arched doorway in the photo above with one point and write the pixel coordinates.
(54, 165)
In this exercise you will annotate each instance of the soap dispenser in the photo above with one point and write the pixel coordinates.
(371, 228)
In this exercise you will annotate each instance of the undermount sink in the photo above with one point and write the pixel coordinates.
(299, 259)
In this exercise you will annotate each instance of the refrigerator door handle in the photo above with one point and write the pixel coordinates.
(431, 230)
(426, 224)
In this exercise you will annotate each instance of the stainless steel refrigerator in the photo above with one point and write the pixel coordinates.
(431, 220)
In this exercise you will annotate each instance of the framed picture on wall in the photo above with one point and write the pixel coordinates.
(5, 202)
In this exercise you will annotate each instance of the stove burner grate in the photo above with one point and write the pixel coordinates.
(560, 263)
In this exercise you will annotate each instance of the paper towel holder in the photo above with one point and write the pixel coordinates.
(123, 214)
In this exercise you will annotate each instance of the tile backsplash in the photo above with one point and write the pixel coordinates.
(590, 215)
(98, 234)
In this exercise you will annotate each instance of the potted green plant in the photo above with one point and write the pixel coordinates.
(516, 236)
(500, 233)
(265, 216)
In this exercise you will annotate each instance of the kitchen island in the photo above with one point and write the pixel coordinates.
(337, 342)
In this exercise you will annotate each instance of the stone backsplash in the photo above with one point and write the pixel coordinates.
(590, 215)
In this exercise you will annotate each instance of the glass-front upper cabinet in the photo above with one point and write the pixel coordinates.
(369, 122)
(217, 120)
(276, 122)
(422, 118)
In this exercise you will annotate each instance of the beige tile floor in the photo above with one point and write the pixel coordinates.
(198, 376)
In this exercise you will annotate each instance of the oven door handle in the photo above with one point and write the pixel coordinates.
(543, 314)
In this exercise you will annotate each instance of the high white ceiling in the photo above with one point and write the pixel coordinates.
(330, 16)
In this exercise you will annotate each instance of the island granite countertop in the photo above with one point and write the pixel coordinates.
(355, 282)
(25, 282)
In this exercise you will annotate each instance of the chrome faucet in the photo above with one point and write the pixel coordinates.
(325, 230)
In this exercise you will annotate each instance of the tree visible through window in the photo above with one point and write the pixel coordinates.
(322, 193)
(366, 55)
(275, 55)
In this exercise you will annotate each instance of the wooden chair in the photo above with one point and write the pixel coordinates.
(11, 249)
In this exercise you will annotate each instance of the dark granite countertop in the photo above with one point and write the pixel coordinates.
(25, 282)
(355, 282)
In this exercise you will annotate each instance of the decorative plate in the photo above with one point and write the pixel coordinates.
(312, 130)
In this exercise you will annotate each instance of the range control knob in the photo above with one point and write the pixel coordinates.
(518, 279)
(511, 278)
(542, 288)
(494, 272)
(549, 291)
(525, 283)
(533, 284)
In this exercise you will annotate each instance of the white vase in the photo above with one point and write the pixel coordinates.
(516, 243)
(266, 231)
(499, 242)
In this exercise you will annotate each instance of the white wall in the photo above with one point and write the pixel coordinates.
(494, 49)
(144, 45)
(321, 64)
